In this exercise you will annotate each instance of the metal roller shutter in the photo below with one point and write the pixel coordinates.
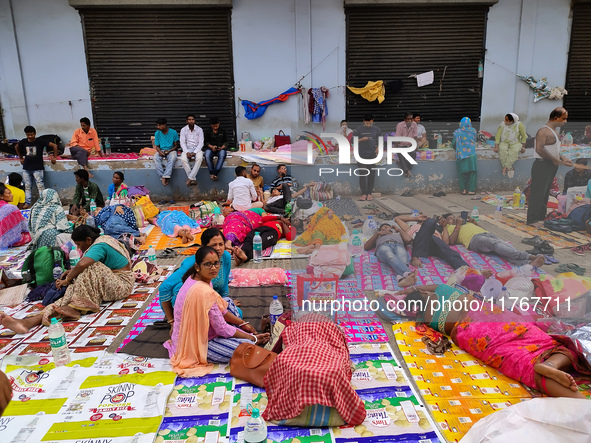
(578, 78)
(150, 63)
(394, 42)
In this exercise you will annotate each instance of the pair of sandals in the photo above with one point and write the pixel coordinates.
(570, 267)
(464, 192)
(166, 202)
(167, 253)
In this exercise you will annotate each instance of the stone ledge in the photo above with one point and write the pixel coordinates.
(146, 3)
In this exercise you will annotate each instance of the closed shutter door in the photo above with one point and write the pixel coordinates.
(578, 78)
(393, 42)
(150, 63)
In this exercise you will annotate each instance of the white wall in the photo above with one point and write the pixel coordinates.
(49, 89)
(275, 43)
(528, 37)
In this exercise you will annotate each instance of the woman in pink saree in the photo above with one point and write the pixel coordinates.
(501, 339)
(238, 224)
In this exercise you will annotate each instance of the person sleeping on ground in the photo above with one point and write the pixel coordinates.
(204, 329)
(273, 229)
(103, 274)
(177, 224)
(500, 339)
(117, 220)
(324, 228)
(390, 245)
(170, 287)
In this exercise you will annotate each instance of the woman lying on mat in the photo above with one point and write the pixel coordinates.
(324, 228)
(500, 339)
(103, 274)
(13, 226)
(177, 224)
(273, 229)
(205, 329)
(170, 287)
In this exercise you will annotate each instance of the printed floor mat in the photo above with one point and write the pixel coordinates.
(344, 206)
(515, 223)
(159, 241)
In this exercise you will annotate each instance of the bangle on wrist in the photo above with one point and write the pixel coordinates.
(170, 321)
(242, 324)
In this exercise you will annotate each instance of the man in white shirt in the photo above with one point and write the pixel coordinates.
(192, 143)
(241, 193)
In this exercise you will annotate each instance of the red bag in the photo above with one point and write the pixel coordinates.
(282, 139)
(312, 291)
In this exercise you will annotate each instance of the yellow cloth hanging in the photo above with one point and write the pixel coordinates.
(371, 91)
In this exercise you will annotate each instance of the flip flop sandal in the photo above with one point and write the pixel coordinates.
(370, 206)
(356, 222)
(347, 217)
(384, 216)
(375, 211)
(163, 202)
(551, 259)
(167, 253)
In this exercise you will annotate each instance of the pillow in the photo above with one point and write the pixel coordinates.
(258, 277)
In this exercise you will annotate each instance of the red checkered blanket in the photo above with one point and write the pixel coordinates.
(314, 369)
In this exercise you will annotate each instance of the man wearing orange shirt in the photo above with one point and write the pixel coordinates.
(85, 143)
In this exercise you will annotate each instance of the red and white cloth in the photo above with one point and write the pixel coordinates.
(313, 369)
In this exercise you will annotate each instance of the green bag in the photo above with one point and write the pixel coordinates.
(38, 266)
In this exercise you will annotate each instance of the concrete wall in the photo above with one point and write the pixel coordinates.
(527, 37)
(429, 176)
(276, 43)
(44, 81)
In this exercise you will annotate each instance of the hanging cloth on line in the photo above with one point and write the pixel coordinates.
(371, 91)
(256, 110)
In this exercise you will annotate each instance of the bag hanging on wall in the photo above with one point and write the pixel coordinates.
(282, 139)
(251, 363)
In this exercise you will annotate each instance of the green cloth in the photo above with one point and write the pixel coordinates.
(444, 294)
(259, 211)
(107, 255)
(467, 173)
(94, 192)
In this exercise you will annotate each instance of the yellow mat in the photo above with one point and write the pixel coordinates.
(515, 223)
(159, 241)
(458, 389)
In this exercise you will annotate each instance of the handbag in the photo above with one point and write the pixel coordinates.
(282, 139)
(139, 217)
(251, 363)
(320, 191)
(147, 206)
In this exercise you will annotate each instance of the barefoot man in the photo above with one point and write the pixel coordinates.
(547, 159)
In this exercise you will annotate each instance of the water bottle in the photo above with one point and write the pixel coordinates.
(151, 254)
(415, 213)
(522, 201)
(516, 197)
(107, 146)
(92, 205)
(355, 244)
(475, 214)
(257, 248)
(218, 218)
(369, 227)
(439, 141)
(255, 430)
(503, 299)
(59, 345)
(74, 257)
(499, 209)
(275, 311)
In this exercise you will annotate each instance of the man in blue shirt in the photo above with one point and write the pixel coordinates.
(166, 142)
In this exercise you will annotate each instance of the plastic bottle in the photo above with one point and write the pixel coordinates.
(92, 205)
(74, 257)
(218, 217)
(516, 197)
(503, 299)
(527, 271)
(107, 146)
(522, 201)
(57, 271)
(475, 214)
(257, 248)
(59, 344)
(151, 254)
(275, 311)
(499, 209)
(369, 227)
(439, 141)
(255, 430)
(355, 243)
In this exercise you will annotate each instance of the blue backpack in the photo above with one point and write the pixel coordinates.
(580, 215)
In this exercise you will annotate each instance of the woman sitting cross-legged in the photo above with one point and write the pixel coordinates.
(13, 226)
(501, 339)
(102, 275)
(204, 329)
